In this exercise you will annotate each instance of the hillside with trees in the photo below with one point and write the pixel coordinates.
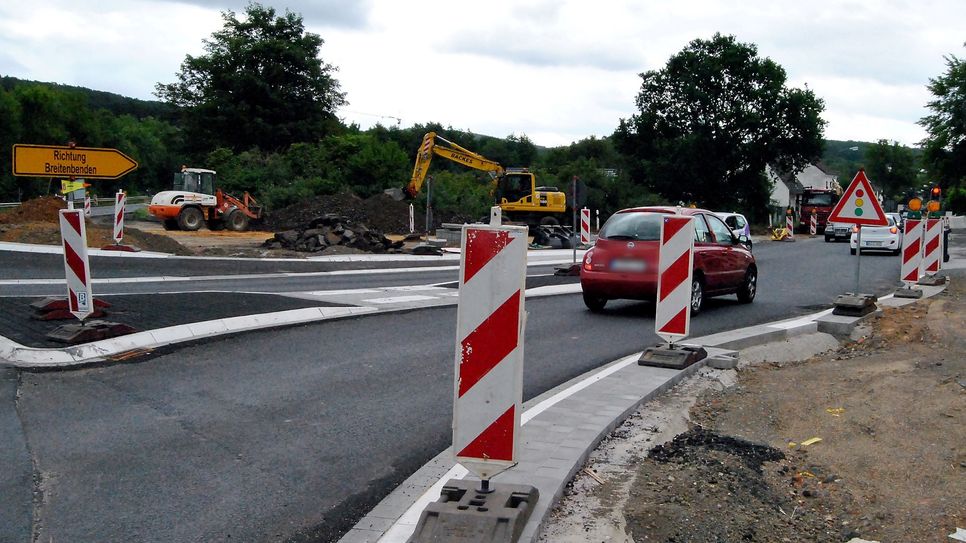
(259, 106)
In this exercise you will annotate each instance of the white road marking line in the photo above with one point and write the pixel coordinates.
(400, 299)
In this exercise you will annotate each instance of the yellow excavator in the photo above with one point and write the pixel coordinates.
(515, 189)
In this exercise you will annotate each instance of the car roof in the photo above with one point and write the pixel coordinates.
(728, 213)
(673, 210)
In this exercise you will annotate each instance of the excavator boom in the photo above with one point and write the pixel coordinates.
(452, 151)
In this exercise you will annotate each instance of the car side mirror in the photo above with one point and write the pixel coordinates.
(743, 239)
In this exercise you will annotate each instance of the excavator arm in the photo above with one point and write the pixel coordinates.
(449, 150)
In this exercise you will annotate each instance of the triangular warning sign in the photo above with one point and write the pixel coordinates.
(859, 205)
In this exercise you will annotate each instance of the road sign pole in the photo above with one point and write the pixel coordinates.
(858, 258)
(573, 230)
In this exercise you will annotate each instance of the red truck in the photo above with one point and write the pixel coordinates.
(817, 201)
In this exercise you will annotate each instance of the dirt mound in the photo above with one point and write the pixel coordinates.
(379, 212)
(43, 209)
(97, 236)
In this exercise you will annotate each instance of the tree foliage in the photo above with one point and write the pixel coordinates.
(892, 168)
(260, 84)
(945, 144)
(711, 120)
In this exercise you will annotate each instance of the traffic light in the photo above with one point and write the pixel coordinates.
(935, 193)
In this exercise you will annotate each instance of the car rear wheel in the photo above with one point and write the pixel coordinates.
(852, 251)
(697, 295)
(594, 303)
(749, 287)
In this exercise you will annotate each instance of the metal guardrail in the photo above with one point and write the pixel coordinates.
(103, 202)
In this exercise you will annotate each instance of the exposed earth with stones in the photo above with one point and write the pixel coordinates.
(865, 441)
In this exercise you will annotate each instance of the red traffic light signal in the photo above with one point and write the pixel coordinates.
(935, 192)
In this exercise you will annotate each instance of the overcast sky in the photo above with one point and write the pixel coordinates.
(555, 70)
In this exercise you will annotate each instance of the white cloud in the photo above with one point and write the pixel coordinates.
(555, 70)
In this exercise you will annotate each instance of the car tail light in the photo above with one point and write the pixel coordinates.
(855, 228)
(588, 257)
(894, 230)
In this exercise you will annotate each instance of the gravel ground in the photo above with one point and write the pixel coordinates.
(888, 406)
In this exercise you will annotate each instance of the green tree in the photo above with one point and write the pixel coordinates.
(260, 84)
(9, 135)
(711, 120)
(891, 167)
(944, 149)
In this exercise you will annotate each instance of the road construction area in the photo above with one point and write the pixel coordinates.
(814, 438)
(311, 400)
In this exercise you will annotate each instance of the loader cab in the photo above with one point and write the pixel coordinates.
(195, 180)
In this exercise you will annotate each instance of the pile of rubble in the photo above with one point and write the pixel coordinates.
(330, 230)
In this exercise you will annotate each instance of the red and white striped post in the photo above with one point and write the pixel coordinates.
(585, 226)
(911, 252)
(119, 201)
(87, 205)
(672, 318)
(813, 224)
(488, 391)
(790, 225)
(932, 254)
(73, 232)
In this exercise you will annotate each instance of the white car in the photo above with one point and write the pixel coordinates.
(879, 238)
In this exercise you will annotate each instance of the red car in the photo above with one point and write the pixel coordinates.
(623, 263)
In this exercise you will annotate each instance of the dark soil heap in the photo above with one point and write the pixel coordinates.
(43, 209)
(379, 212)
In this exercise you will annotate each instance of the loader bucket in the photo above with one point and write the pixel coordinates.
(395, 194)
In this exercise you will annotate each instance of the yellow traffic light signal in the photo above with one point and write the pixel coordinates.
(932, 206)
(936, 192)
(915, 204)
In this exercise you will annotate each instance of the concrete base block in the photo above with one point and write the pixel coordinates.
(95, 330)
(908, 293)
(854, 305)
(463, 514)
(933, 280)
(678, 357)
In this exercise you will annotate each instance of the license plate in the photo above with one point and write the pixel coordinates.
(627, 265)
(874, 243)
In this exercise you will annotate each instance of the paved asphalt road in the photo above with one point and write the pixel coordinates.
(293, 434)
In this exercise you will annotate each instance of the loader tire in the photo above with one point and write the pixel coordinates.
(237, 221)
(190, 219)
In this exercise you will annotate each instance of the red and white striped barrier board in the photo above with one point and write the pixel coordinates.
(489, 348)
(813, 225)
(585, 226)
(790, 226)
(73, 232)
(911, 252)
(87, 206)
(119, 200)
(672, 319)
(932, 252)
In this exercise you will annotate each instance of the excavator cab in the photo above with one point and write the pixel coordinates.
(514, 187)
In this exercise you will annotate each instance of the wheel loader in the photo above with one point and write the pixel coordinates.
(194, 199)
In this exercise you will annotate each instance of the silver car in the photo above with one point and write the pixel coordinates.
(879, 238)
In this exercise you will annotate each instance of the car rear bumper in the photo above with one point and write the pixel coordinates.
(613, 285)
(878, 244)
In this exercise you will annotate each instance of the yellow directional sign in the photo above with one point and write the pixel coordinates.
(57, 161)
(70, 186)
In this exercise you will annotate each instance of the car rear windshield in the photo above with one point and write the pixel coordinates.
(636, 226)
